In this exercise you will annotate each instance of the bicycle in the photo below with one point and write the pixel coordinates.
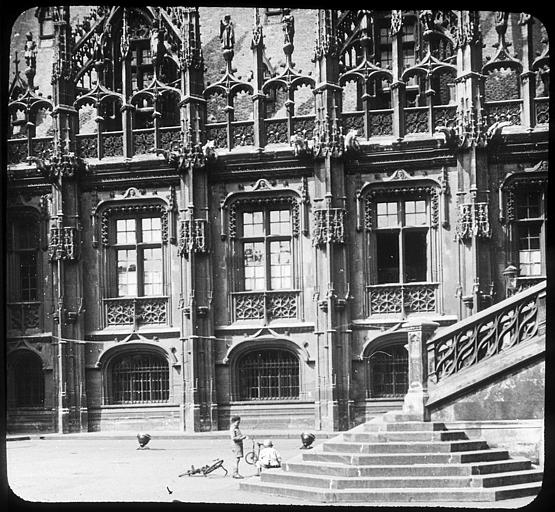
(205, 470)
(253, 456)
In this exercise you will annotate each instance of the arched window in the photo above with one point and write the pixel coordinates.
(138, 378)
(26, 382)
(388, 372)
(270, 374)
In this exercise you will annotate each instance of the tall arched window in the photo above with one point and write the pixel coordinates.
(138, 378)
(270, 374)
(26, 381)
(387, 372)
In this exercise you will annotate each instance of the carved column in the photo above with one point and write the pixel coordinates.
(334, 408)
(472, 161)
(127, 108)
(528, 76)
(398, 86)
(258, 98)
(199, 398)
(418, 332)
(62, 169)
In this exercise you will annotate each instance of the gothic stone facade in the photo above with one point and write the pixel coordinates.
(243, 220)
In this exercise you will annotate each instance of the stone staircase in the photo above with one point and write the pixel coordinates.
(396, 458)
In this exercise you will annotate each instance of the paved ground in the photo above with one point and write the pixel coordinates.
(86, 468)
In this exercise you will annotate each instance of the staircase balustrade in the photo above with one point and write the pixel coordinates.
(510, 322)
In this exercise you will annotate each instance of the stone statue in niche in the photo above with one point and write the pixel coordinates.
(30, 51)
(288, 23)
(227, 33)
(351, 140)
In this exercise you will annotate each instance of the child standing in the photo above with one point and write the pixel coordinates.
(237, 439)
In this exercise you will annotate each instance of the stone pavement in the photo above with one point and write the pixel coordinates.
(108, 467)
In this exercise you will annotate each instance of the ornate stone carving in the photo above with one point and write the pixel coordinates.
(63, 243)
(503, 328)
(473, 220)
(193, 236)
(328, 226)
(23, 316)
(136, 310)
(264, 202)
(55, 164)
(408, 298)
(418, 191)
(136, 210)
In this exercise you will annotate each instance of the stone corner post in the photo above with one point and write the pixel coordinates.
(418, 333)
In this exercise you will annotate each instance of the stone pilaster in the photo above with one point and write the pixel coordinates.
(419, 332)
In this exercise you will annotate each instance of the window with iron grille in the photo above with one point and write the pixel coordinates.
(266, 250)
(268, 375)
(26, 381)
(23, 275)
(530, 232)
(402, 241)
(388, 372)
(138, 257)
(138, 379)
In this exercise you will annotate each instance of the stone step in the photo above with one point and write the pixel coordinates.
(406, 435)
(406, 458)
(406, 447)
(385, 495)
(404, 425)
(343, 470)
(398, 482)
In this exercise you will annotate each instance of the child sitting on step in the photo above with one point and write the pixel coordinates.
(268, 457)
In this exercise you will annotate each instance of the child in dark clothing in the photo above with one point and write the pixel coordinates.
(237, 439)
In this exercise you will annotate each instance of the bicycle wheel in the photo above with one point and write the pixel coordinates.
(250, 458)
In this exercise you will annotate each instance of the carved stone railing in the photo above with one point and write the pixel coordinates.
(267, 305)
(380, 123)
(139, 310)
(498, 328)
(112, 144)
(243, 133)
(304, 125)
(353, 120)
(276, 131)
(445, 115)
(143, 141)
(401, 299)
(170, 137)
(523, 283)
(416, 120)
(218, 133)
(542, 110)
(87, 145)
(17, 151)
(499, 111)
(24, 316)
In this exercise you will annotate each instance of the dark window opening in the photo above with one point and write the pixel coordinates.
(268, 375)
(139, 378)
(388, 257)
(28, 381)
(416, 261)
(388, 372)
